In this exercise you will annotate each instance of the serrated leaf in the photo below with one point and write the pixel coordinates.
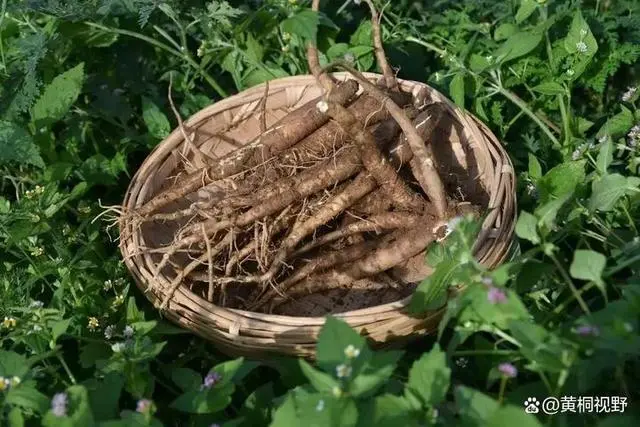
(155, 120)
(475, 407)
(549, 88)
(322, 382)
(28, 398)
(13, 364)
(617, 125)
(304, 24)
(375, 373)
(15, 418)
(561, 180)
(527, 7)
(606, 192)
(548, 212)
(605, 156)
(588, 265)
(16, 145)
(535, 170)
(429, 376)
(527, 227)
(504, 31)
(579, 32)
(58, 96)
(335, 336)
(432, 291)
(456, 89)
(518, 45)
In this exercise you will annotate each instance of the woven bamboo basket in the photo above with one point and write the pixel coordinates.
(385, 321)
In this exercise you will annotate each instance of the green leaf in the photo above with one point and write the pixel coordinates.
(515, 415)
(527, 227)
(155, 120)
(544, 350)
(617, 125)
(504, 31)
(561, 180)
(204, 401)
(28, 398)
(475, 407)
(58, 96)
(228, 370)
(319, 380)
(16, 145)
(605, 156)
(518, 45)
(388, 410)
(429, 376)
(13, 364)
(186, 379)
(104, 395)
(527, 7)
(334, 338)
(475, 307)
(262, 74)
(456, 89)
(535, 170)
(133, 314)
(549, 88)
(548, 212)
(15, 418)
(587, 265)
(607, 191)
(375, 373)
(337, 51)
(362, 35)
(429, 294)
(304, 24)
(579, 32)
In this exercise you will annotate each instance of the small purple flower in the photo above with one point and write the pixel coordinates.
(496, 295)
(587, 330)
(508, 370)
(143, 406)
(210, 380)
(59, 404)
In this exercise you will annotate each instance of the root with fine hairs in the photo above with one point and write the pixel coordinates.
(331, 196)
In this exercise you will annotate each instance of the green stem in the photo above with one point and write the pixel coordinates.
(525, 108)
(631, 222)
(503, 385)
(573, 288)
(621, 266)
(66, 368)
(209, 79)
(565, 120)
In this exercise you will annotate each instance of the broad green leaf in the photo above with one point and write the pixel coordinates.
(527, 7)
(28, 397)
(104, 395)
(504, 31)
(517, 45)
(81, 414)
(322, 382)
(228, 370)
(549, 88)
(15, 418)
(317, 410)
(133, 314)
(561, 180)
(388, 410)
(255, 51)
(429, 376)
(581, 43)
(58, 96)
(544, 349)
(186, 379)
(337, 51)
(535, 170)
(456, 89)
(475, 407)
(605, 156)
(335, 337)
(617, 125)
(364, 56)
(548, 212)
(58, 328)
(285, 415)
(362, 35)
(204, 401)
(432, 291)
(13, 364)
(304, 24)
(16, 145)
(607, 191)
(515, 415)
(588, 265)
(527, 227)
(155, 120)
(475, 306)
(262, 74)
(375, 373)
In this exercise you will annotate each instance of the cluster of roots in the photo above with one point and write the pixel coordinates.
(330, 208)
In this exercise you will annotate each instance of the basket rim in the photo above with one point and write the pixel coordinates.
(358, 316)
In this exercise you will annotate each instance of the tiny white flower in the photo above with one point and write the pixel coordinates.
(351, 352)
(118, 347)
(36, 328)
(583, 32)
(128, 331)
(36, 304)
(489, 58)
(336, 391)
(322, 106)
(109, 331)
(570, 72)
(320, 405)
(582, 47)
(462, 362)
(576, 154)
(343, 371)
(603, 139)
(349, 57)
(357, 2)
(629, 93)
(628, 327)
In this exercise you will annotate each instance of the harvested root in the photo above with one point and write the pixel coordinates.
(333, 196)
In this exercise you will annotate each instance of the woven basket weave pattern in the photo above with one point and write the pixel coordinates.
(240, 332)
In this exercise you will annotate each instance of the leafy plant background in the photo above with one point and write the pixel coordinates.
(84, 99)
